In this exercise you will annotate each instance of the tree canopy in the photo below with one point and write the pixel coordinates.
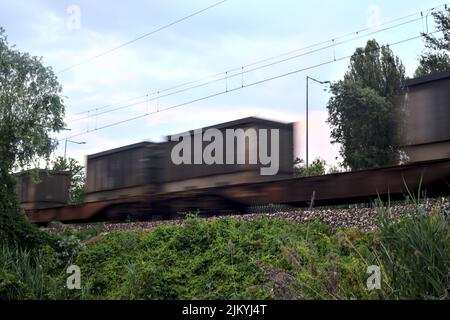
(362, 111)
(31, 108)
(436, 58)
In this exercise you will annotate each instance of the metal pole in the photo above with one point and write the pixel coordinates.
(65, 151)
(307, 115)
(307, 123)
(65, 146)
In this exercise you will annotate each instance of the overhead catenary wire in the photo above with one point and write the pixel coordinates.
(236, 88)
(105, 106)
(141, 37)
(356, 34)
(226, 75)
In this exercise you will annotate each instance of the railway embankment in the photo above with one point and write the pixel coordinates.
(335, 253)
(358, 217)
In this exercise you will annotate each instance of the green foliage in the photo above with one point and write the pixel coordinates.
(82, 235)
(20, 276)
(30, 110)
(316, 168)
(39, 273)
(26, 274)
(68, 248)
(437, 56)
(224, 259)
(415, 253)
(362, 110)
(335, 169)
(30, 107)
(15, 229)
(76, 191)
(230, 258)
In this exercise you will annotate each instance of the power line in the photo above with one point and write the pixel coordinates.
(225, 75)
(355, 33)
(104, 107)
(141, 37)
(237, 88)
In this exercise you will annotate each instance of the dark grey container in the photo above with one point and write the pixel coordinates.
(425, 118)
(122, 172)
(186, 176)
(51, 189)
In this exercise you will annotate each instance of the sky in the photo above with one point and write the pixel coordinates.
(228, 40)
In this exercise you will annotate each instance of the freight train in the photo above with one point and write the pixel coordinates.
(142, 181)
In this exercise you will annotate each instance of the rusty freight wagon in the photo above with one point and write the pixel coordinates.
(123, 172)
(47, 189)
(194, 176)
(432, 177)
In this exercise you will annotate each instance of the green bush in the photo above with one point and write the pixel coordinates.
(15, 229)
(230, 258)
(225, 259)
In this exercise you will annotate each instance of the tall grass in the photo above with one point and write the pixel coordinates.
(415, 251)
(21, 275)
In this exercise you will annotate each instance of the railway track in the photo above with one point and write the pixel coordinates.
(431, 177)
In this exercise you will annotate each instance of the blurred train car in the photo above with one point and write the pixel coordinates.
(124, 172)
(194, 176)
(146, 169)
(425, 119)
(47, 189)
(142, 178)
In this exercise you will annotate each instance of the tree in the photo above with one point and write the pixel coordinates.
(78, 179)
(437, 56)
(30, 110)
(335, 169)
(362, 111)
(316, 168)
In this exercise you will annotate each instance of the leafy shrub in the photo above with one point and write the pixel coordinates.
(37, 273)
(225, 259)
(236, 259)
(17, 231)
(316, 168)
(22, 275)
(15, 228)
